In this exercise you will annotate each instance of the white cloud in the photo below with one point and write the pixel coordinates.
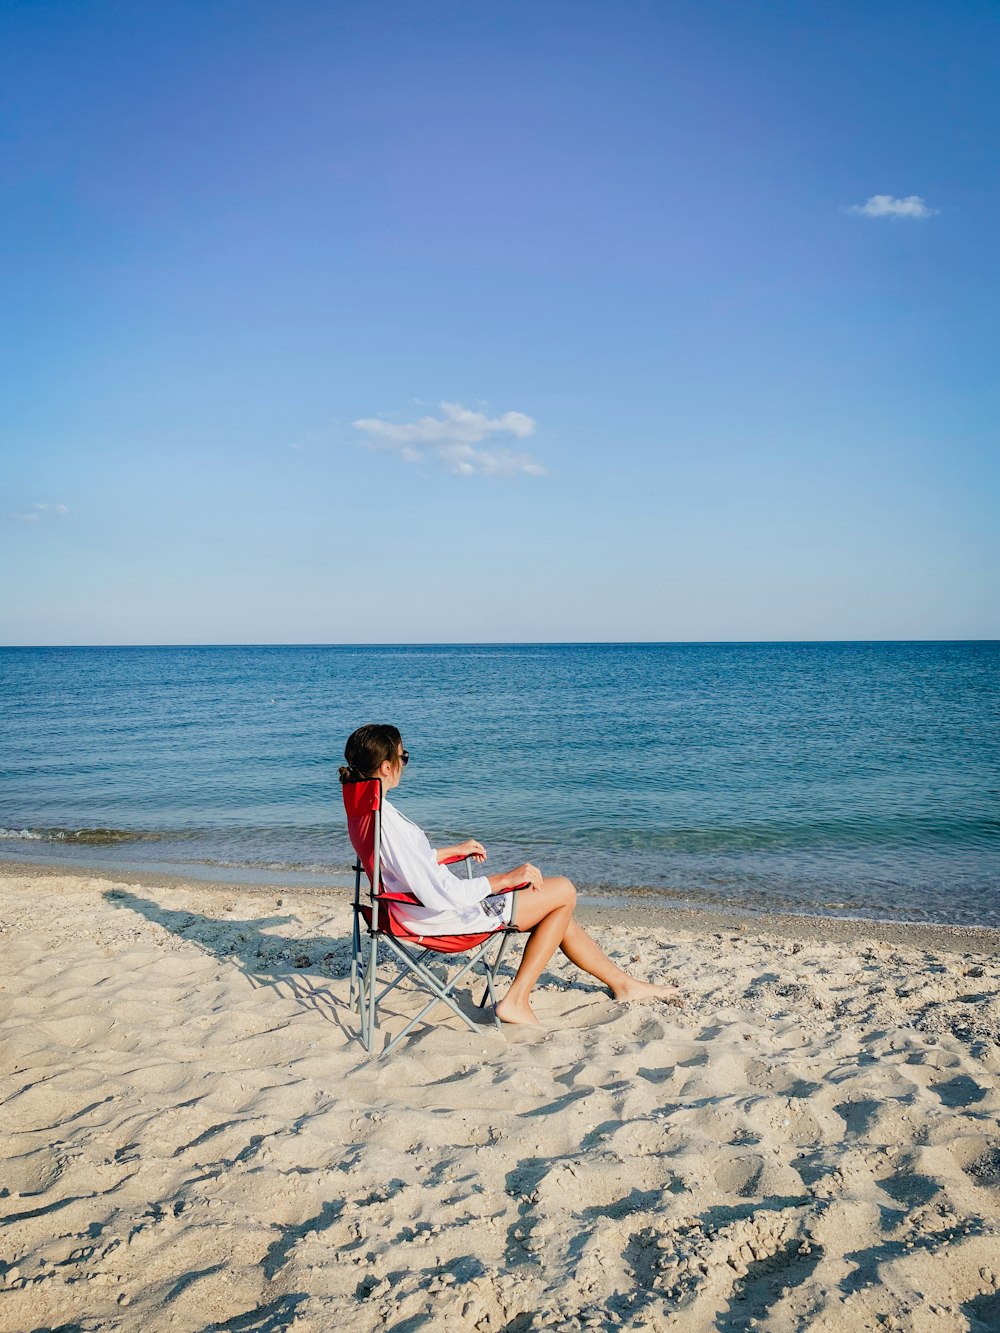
(451, 440)
(39, 511)
(887, 206)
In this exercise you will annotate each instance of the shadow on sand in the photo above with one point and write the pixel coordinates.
(266, 960)
(277, 961)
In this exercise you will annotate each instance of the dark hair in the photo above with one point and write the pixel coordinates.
(369, 747)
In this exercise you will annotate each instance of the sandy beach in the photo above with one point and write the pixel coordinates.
(193, 1138)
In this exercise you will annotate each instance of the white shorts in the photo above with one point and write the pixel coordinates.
(500, 905)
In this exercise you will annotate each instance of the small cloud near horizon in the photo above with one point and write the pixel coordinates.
(39, 511)
(453, 439)
(888, 206)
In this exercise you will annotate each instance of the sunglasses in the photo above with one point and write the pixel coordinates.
(404, 756)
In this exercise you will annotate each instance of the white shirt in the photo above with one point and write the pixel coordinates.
(451, 906)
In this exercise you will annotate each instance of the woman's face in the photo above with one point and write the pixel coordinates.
(391, 772)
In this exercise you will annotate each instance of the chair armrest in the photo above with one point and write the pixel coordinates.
(398, 897)
(452, 860)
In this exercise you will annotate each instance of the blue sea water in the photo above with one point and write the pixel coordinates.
(851, 778)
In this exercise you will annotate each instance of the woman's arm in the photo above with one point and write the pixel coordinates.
(409, 862)
(510, 879)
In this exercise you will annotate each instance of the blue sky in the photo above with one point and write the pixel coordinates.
(632, 352)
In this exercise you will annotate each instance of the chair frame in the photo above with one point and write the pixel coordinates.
(374, 919)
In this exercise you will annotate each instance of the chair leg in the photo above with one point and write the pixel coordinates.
(361, 1002)
(355, 956)
(368, 997)
(440, 993)
(372, 985)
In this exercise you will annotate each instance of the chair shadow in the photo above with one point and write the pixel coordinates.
(262, 958)
(259, 956)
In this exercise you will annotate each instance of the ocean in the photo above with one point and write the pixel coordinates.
(857, 779)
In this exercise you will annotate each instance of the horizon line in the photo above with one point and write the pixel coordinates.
(496, 643)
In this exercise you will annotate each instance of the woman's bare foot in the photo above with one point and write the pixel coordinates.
(646, 992)
(509, 1011)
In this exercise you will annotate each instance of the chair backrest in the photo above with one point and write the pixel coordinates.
(363, 802)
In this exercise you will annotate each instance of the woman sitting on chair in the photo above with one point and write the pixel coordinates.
(524, 898)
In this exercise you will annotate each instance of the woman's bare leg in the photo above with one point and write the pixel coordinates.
(548, 914)
(583, 950)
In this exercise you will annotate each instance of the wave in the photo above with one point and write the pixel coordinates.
(98, 837)
(299, 867)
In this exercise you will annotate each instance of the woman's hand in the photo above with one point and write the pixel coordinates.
(472, 848)
(468, 848)
(513, 879)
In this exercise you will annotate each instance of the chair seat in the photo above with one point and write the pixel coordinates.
(392, 926)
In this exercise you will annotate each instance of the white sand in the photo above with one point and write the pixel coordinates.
(192, 1139)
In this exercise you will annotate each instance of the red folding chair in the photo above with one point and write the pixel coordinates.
(363, 804)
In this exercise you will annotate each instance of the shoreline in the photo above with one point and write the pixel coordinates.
(659, 914)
